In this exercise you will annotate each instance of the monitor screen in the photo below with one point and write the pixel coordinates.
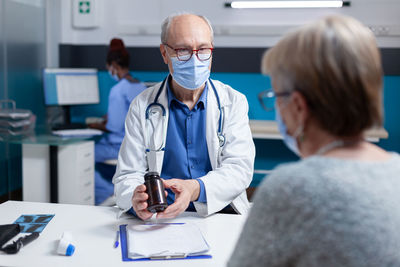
(70, 86)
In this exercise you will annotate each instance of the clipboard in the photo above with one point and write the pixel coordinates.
(125, 257)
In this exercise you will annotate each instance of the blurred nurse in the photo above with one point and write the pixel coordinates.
(120, 97)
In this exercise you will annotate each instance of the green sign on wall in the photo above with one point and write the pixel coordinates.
(84, 7)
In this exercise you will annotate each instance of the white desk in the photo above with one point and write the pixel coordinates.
(94, 229)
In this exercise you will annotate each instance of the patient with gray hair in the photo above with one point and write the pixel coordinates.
(338, 205)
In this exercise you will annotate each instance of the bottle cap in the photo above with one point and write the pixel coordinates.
(150, 175)
(65, 246)
(70, 250)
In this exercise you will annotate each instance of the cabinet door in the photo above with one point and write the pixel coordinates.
(35, 173)
(76, 173)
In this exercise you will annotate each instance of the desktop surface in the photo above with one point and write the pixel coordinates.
(94, 229)
(42, 135)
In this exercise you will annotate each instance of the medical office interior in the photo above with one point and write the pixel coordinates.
(38, 35)
(53, 72)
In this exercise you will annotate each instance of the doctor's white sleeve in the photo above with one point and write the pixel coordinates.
(131, 158)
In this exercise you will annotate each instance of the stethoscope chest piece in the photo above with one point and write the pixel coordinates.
(221, 139)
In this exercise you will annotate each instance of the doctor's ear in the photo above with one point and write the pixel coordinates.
(164, 55)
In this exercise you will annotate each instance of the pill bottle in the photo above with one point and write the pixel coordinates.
(157, 201)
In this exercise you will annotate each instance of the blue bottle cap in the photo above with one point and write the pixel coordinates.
(70, 250)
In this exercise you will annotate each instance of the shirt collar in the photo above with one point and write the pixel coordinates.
(201, 103)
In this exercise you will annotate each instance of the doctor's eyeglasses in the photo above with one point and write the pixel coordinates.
(267, 98)
(184, 54)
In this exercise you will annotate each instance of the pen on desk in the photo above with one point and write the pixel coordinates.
(116, 243)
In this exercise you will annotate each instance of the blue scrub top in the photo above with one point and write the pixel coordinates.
(119, 100)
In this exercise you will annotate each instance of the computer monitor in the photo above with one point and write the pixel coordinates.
(66, 87)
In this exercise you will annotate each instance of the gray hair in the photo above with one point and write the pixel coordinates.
(167, 23)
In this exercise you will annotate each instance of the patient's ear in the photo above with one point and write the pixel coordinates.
(299, 107)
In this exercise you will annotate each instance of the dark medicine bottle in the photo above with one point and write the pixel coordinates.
(157, 201)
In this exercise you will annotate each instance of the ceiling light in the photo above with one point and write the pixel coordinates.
(287, 4)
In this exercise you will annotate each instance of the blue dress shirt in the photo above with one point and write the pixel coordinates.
(186, 152)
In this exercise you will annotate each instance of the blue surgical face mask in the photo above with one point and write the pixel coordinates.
(113, 76)
(289, 141)
(190, 74)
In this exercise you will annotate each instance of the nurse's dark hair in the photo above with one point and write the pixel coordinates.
(118, 53)
(167, 23)
(336, 65)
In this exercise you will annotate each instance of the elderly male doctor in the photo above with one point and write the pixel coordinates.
(192, 130)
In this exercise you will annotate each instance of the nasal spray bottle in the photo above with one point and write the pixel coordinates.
(66, 247)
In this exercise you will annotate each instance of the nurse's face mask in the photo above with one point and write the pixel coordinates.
(191, 72)
(113, 76)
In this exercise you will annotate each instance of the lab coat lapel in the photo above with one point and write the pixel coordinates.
(163, 100)
(212, 126)
(157, 157)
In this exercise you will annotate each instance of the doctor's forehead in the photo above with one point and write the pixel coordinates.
(189, 30)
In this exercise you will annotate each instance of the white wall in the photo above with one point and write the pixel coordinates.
(138, 22)
(53, 31)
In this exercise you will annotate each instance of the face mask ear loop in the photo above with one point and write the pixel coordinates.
(299, 133)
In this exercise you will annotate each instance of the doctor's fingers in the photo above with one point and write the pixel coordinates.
(141, 206)
(174, 184)
(180, 205)
(140, 197)
(144, 215)
(140, 188)
(172, 211)
(141, 210)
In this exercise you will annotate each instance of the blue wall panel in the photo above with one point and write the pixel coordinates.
(269, 153)
(391, 100)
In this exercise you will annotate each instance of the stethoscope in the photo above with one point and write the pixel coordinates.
(156, 107)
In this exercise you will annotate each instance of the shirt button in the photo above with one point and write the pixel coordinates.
(192, 167)
(189, 142)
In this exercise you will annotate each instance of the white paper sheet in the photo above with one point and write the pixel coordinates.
(154, 240)
(78, 132)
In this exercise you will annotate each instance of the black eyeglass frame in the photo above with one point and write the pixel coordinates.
(269, 94)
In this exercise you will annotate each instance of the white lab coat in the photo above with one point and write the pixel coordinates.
(232, 165)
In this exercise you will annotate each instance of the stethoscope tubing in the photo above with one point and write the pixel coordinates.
(221, 137)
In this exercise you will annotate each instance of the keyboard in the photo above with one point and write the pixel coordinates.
(70, 126)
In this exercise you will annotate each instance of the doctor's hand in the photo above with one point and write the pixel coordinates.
(139, 202)
(185, 192)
